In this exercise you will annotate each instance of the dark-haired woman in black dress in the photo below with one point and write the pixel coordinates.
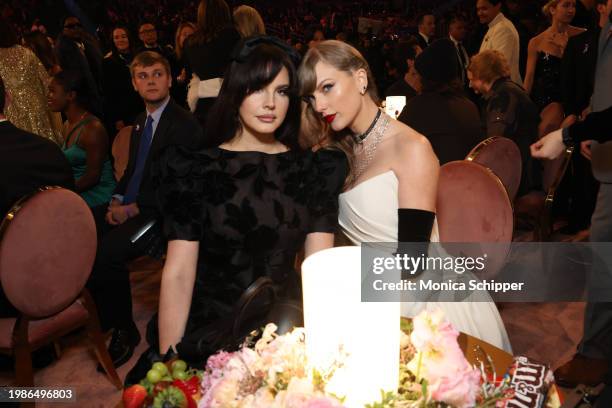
(245, 206)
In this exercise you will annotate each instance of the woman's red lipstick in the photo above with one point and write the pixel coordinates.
(329, 118)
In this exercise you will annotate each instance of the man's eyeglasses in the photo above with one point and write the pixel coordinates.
(73, 26)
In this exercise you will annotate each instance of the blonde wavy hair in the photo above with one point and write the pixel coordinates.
(178, 47)
(550, 4)
(248, 21)
(314, 131)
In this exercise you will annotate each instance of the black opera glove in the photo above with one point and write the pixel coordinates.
(413, 226)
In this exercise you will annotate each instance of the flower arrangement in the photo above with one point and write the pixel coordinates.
(273, 373)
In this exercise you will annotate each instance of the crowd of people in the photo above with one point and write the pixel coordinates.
(257, 133)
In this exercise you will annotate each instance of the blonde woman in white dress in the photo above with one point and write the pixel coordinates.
(390, 194)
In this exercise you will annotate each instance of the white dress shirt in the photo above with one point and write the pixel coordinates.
(503, 37)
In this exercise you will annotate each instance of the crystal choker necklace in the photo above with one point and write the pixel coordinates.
(361, 137)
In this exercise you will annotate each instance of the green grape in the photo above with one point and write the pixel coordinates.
(179, 365)
(153, 376)
(161, 367)
(179, 375)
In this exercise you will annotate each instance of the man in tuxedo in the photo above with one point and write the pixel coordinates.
(27, 162)
(457, 32)
(426, 24)
(133, 208)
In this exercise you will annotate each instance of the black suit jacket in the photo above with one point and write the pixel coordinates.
(421, 40)
(578, 71)
(176, 127)
(27, 162)
(450, 122)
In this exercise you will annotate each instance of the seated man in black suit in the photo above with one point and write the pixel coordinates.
(27, 162)
(133, 206)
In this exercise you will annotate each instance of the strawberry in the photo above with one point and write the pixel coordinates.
(190, 388)
(134, 396)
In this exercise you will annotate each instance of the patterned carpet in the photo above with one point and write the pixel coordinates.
(544, 332)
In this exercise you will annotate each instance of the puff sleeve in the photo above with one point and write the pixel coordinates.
(329, 172)
(179, 180)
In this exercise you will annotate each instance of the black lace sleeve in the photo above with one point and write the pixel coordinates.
(330, 169)
(179, 193)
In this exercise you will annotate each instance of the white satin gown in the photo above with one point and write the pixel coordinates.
(368, 213)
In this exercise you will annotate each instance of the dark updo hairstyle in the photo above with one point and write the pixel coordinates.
(253, 68)
(74, 82)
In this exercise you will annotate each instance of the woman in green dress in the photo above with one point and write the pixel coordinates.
(86, 143)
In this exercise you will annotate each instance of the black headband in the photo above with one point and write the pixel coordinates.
(243, 49)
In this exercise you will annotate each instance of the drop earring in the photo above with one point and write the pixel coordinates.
(363, 90)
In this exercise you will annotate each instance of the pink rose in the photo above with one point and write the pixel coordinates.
(441, 362)
(322, 402)
(458, 389)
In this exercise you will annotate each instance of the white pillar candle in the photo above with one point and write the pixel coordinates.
(335, 317)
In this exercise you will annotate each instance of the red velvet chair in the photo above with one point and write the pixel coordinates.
(47, 249)
(473, 206)
(503, 157)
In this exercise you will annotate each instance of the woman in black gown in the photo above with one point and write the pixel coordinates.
(543, 72)
(245, 206)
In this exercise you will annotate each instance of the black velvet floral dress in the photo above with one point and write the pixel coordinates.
(251, 212)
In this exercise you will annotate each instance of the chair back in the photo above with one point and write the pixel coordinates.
(121, 151)
(47, 250)
(473, 207)
(503, 157)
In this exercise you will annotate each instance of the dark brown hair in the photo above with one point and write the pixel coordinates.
(242, 78)
(213, 16)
